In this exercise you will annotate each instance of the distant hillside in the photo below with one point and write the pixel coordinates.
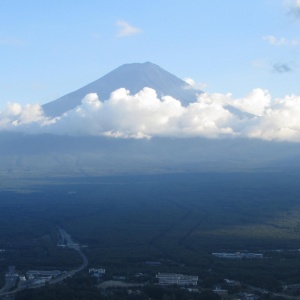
(51, 155)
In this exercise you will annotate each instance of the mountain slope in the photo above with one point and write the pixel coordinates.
(50, 155)
(133, 77)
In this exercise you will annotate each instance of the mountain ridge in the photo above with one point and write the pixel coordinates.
(133, 77)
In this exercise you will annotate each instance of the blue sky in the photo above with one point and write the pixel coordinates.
(50, 48)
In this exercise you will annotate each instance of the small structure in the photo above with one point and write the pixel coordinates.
(232, 282)
(220, 292)
(238, 255)
(22, 278)
(248, 296)
(96, 272)
(178, 279)
(38, 273)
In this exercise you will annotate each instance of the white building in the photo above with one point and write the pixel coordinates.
(238, 255)
(40, 273)
(178, 279)
(96, 272)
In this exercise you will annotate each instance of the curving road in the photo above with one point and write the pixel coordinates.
(68, 242)
(10, 282)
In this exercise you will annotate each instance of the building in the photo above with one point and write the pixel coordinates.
(39, 273)
(232, 282)
(178, 279)
(96, 272)
(221, 292)
(238, 255)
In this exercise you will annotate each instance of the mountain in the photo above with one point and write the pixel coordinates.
(133, 77)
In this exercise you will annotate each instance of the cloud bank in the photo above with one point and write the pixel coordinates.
(144, 115)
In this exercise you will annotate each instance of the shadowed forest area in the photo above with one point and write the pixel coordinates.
(179, 220)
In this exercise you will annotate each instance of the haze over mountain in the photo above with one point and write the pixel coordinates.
(133, 77)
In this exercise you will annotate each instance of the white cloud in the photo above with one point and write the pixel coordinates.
(18, 117)
(190, 81)
(282, 41)
(280, 122)
(254, 103)
(144, 115)
(125, 29)
(275, 41)
(192, 84)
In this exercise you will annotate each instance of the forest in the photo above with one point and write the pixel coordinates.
(178, 220)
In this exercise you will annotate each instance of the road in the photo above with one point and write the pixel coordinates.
(10, 282)
(72, 272)
(68, 242)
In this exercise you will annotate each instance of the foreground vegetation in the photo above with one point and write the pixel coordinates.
(176, 221)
